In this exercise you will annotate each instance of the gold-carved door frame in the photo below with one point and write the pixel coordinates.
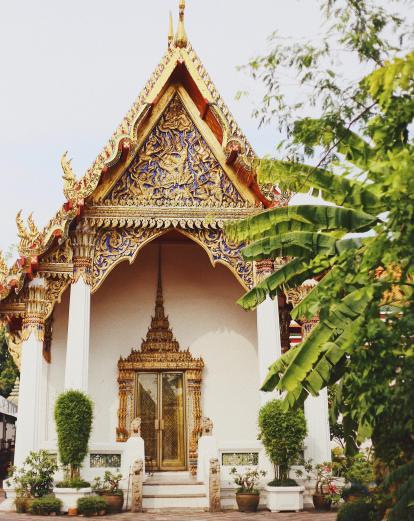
(181, 361)
(161, 352)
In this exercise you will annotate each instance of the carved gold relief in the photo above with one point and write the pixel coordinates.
(175, 164)
(36, 305)
(14, 343)
(116, 245)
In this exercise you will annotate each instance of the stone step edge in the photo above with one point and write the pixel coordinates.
(171, 483)
(171, 496)
(166, 510)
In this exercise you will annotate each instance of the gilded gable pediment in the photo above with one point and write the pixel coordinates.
(175, 167)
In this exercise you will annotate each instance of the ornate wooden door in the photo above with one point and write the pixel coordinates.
(160, 403)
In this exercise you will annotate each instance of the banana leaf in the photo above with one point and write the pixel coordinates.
(340, 317)
(332, 353)
(299, 244)
(300, 218)
(355, 149)
(309, 306)
(277, 369)
(288, 276)
(335, 188)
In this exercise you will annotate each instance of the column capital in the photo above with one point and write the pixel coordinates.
(36, 306)
(83, 243)
(308, 325)
(263, 269)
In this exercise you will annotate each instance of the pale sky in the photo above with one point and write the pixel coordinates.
(70, 69)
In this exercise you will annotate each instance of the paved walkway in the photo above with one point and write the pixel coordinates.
(187, 516)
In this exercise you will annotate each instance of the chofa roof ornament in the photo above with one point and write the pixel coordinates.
(181, 39)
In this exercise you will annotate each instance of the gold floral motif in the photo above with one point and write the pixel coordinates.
(83, 242)
(35, 316)
(14, 344)
(116, 245)
(4, 269)
(223, 251)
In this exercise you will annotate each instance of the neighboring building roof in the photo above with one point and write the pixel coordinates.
(7, 407)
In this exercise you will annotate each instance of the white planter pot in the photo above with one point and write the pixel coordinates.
(282, 499)
(70, 496)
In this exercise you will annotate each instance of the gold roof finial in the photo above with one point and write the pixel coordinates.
(170, 32)
(181, 36)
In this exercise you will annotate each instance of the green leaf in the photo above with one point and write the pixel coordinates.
(340, 317)
(300, 218)
(298, 244)
(335, 188)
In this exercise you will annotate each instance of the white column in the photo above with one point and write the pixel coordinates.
(269, 345)
(28, 419)
(33, 370)
(318, 441)
(77, 351)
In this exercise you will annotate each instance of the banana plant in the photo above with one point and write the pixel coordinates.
(316, 239)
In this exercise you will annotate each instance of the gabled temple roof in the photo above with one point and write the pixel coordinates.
(180, 65)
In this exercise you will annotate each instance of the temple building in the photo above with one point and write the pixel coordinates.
(129, 293)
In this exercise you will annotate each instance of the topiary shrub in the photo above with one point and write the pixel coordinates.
(73, 416)
(90, 505)
(282, 434)
(357, 511)
(45, 506)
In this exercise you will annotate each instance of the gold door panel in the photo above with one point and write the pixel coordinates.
(160, 405)
(173, 421)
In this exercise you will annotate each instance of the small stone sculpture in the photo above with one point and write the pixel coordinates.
(214, 485)
(136, 428)
(137, 478)
(207, 427)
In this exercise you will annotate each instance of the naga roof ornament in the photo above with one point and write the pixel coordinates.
(30, 237)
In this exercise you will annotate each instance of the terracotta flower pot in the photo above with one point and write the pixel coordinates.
(114, 503)
(72, 512)
(28, 501)
(247, 502)
(321, 503)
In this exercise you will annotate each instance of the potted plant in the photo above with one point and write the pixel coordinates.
(108, 488)
(46, 506)
(282, 434)
(34, 479)
(73, 416)
(326, 492)
(248, 494)
(91, 506)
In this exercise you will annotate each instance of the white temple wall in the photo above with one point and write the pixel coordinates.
(200, 301)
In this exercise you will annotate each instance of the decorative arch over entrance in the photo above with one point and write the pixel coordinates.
(162, 385)
(115, 245)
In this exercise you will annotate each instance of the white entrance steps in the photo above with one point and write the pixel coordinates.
(174, 490)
